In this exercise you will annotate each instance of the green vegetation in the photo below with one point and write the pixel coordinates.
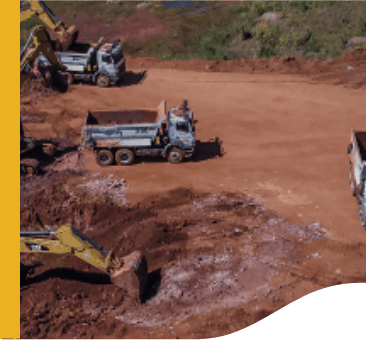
(226, 30)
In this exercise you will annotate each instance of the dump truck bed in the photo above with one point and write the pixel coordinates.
(360, 137)
(136, 128)
(126, 117)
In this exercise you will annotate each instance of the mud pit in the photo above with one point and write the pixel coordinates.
(261, 217)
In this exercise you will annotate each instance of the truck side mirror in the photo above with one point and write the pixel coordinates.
(195, 121)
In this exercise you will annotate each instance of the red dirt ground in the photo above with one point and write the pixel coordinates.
(273, 138)
(141, 25)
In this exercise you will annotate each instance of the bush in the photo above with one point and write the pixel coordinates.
(361, 26)
(301, 6)
(278, 6)
(243, 25)
(212, 45)
(301, 38)
(269, 40)
(261, 7)
(312, 45)
(239, 9)
(325, 4)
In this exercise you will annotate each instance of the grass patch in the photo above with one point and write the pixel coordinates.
(226, 30)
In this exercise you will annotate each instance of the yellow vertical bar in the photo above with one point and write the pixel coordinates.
(10, 186)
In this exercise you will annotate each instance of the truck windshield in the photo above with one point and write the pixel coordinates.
(107, 59)
(184, 127)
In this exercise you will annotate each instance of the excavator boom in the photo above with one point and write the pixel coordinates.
(129, 272)
(66, 37)
(40, 42)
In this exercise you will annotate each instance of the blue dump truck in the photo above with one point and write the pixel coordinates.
(357, 170)
(119, 136)
(101, 63)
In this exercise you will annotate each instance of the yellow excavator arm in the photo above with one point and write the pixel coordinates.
(66, 37)
(37, 42)
(129, 272)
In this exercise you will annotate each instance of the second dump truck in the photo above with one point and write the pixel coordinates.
(119, 136)
(357, 170)
(102, 63)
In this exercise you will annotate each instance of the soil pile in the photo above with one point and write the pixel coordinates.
(208, 255)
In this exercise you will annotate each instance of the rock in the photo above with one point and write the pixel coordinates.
(270, 16)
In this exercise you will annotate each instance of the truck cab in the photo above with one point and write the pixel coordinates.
(181, 129)
(110, 62)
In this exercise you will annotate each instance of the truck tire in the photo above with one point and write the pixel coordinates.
(104, 157)
(352, 181)
(103, 81)
(124, 157)
(69, 78)
(362, 216)
(175, 156)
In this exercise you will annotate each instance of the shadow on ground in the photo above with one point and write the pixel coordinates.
(208, 150)
(131, 78)
(68, 274)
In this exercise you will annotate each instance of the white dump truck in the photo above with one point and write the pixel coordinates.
(357, 170)
(119, 136)
(101, 63)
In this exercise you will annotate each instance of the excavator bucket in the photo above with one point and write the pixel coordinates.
(68, 37)
(130, 273)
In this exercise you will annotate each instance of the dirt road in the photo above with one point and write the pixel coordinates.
(280, 139)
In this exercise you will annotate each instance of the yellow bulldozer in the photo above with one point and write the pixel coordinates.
(128, 273)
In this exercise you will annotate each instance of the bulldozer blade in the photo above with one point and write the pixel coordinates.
(132, 275)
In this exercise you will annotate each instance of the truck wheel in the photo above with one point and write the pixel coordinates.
(352, 181)
(362, 215)
(103, 81)
(69, 78)
(175, 156)
(104, 157)
(124, 157)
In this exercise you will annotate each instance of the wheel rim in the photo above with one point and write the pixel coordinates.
(175, 156)
(102, 81)
(124, 158)
(104, 159)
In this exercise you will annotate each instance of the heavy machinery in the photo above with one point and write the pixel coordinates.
(66, 36)
(101, 63)
(357, 170)
(128, 273)
(120, 135)
(38, 42)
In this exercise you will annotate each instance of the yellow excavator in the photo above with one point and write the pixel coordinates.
(38, 42)
(66, 36)
(128, 273)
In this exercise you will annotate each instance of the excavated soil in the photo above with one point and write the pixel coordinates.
(262, 215)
